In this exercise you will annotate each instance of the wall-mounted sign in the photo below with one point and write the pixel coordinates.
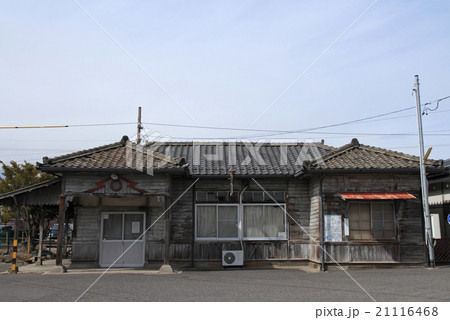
(135, 227)
(333, 228)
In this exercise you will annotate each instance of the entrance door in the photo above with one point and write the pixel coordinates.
(120, 231)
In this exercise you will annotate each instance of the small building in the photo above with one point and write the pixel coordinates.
(439, 201)
(275, 202)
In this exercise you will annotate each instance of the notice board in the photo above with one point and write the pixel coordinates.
(333, 228)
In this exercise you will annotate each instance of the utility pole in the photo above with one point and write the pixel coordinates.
(423, 180)
(139, 126)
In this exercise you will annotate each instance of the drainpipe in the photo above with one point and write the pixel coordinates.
(240, 218)
(193, 228)
(322, 225)
(232, 171)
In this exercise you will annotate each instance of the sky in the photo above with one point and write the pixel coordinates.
(221, 64)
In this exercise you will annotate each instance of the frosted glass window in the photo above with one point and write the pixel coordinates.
(206, 222)
(112, 227)
(371, 220)
(134, 226)
(228, 224)
(264, 222)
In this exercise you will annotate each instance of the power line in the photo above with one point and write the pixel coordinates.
(269, 131)
(69, 126)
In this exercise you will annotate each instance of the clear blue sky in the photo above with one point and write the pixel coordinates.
(225, 62)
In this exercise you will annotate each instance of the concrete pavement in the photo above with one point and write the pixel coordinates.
(50, 267)
(408, 284)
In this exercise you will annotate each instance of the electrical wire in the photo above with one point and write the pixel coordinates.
(202, 127)
(69, 126)
(426, 110)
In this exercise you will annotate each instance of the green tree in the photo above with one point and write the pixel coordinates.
(17, 176)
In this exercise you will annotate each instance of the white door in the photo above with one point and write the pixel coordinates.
(121, 231)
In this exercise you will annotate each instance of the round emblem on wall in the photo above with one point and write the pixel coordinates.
(116, 185)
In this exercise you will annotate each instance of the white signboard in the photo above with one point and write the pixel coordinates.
(346, 228)
(435, 226)
(135, 227)
(333, 228)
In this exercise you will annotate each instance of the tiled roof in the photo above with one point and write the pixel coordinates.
(248, 159)
(357, 156)
(112, 156)
(447, 163)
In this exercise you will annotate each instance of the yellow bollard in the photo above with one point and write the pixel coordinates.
(14, 258)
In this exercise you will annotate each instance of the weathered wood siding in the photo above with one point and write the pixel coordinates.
(409, 245)
(86, 238)
(302, 204)
(78, 183)
(182, 228)
(314, 192)
(86, 235)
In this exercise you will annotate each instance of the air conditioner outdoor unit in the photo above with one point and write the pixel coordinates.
(232, 258)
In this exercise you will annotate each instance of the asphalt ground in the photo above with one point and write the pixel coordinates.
(384, 285)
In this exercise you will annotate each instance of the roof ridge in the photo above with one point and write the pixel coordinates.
(354, 144)
(398, 154)
(212, 142)
(337, 151)
(121, 143)
(86, 152)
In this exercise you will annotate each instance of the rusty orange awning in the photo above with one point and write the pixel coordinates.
(375, 195)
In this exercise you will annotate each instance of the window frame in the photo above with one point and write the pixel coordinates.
(264, 212)
(372, 238)
(217, 205)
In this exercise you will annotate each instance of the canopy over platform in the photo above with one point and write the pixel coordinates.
(40, 194)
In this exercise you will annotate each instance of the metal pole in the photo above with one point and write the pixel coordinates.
(322, 226)
(423, 179)
(139, 126)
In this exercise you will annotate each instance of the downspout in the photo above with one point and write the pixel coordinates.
(240, 220)
(322, 225)
(193, 228)
(232, 171)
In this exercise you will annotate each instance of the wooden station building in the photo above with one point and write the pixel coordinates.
(276, 202)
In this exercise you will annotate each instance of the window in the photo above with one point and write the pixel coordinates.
(371, 220)
(218, 222)
(219, 216)
(215, 197)
(248, 197)
(261, 196)
(122, 226)
(263, 222)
